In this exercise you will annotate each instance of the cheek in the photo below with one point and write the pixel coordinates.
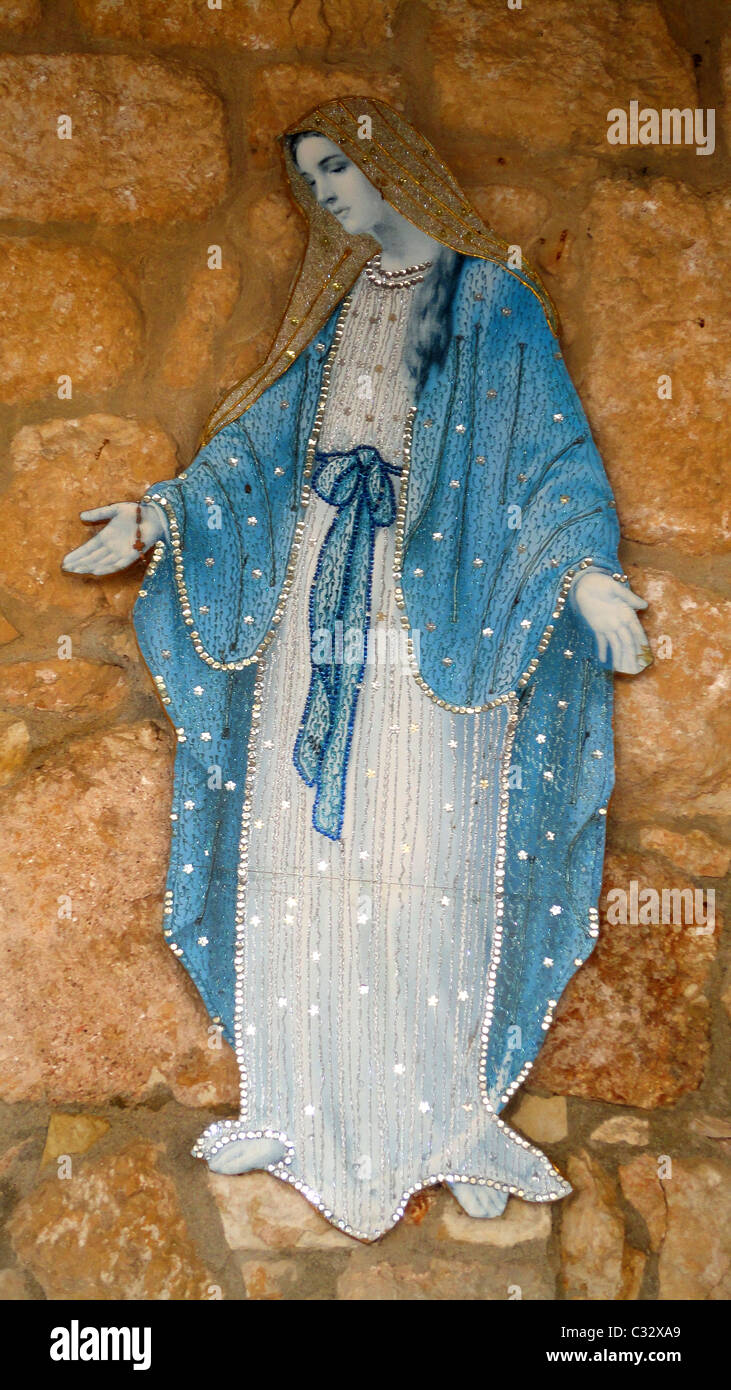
(360, 193)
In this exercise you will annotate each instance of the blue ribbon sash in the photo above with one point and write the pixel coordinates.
(358, 484)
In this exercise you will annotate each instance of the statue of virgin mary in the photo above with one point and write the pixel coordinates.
(382, 613)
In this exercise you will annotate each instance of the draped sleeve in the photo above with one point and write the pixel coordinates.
(208, 606)
(508, 495)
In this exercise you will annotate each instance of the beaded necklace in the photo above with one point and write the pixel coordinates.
(394, 279)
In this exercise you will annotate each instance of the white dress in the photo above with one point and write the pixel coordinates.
(365, 963)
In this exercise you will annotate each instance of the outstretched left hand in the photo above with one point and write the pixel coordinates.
(610, 610)
(114, 548)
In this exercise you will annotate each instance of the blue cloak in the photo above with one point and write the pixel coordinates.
(504, 499)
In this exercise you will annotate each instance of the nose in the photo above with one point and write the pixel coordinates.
(323, 192)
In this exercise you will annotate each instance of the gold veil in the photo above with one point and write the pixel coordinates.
(411, 176)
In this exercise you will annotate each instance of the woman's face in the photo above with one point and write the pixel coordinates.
(339, 185)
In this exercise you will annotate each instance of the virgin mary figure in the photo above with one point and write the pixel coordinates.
(382, 612)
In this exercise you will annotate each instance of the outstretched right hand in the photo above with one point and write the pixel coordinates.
(113, 548)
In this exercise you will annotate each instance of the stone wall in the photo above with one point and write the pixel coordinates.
(115, 339)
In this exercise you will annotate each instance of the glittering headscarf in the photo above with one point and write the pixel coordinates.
(413, 179)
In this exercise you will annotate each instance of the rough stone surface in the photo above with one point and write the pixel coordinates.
(19, 15)
(268, 1280)
(11, 1156)
(634, 1263)
(147, 139)
(672, 749)
(115, 1231)
(726, 79)
(64, 312)
(249, 24)
(103, 276)
(510, 1276)
(689, 1219)
(275, 237)
(712, 1127)
(244, 357)
(596, 1263)
(592, 1234)
(14, 1287)
(542, 1119)
(516, 213)
(699, 854)
(556, 255)
(260, 1212)
(642, 1189)
(14, 747)
(62, 467)
(421, 1205)
(66, 687)
(283, 92)
(633, 1027)
(7, 632)
(520, 1222)
(623, 1129)
(115, 1000)
(276, 233)
(656, 302)
(546, 75)
(208, 304)
(72, 1134)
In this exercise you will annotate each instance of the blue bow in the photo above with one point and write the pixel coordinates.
(358, 484)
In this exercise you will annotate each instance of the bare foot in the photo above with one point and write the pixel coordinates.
(478, 1200)
(243, 1155)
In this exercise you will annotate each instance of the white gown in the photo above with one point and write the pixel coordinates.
(365, 960)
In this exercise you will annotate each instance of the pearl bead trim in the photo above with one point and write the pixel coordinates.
(223, 1132)
(233, 1129)
(398, 565)
(178, 564)
(394, 279)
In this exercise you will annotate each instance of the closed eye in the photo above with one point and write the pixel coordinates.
(329, 167)
(333, 162)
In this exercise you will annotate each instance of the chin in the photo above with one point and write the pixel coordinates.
(350, 224)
